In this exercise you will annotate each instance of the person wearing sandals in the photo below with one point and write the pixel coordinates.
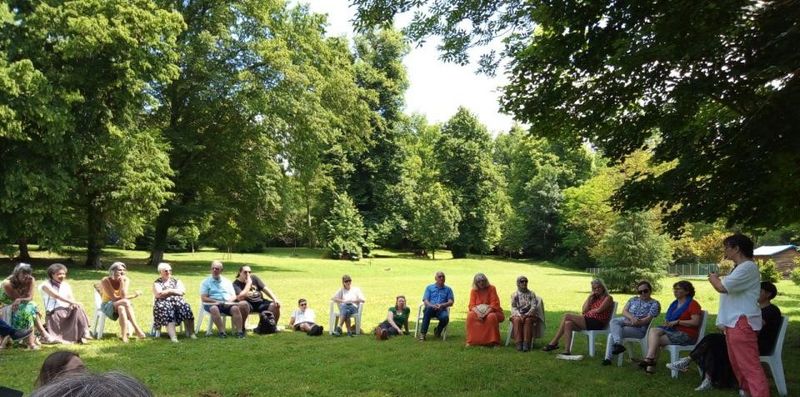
(711, 354)
(116, 300)
(304, 319)
(485, 314)
(636, 317)
(595, 315)
(66, 320)
(17, 291)
(683, 319)
(524, 314)
(169, 306)
(396, 320)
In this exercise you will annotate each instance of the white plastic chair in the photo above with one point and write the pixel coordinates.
(333, 314)
(155, 332)
(201, 313)
(675, 350)
(775, 360)
(641, 341)
(594, 333)
(421, 314)
(99, 316)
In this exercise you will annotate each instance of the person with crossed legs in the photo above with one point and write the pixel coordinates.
(437, 298)
(218, 298)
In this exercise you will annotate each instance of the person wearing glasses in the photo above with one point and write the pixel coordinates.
(485, 314)
(248, 287)
(595, 315)
(348, 298)
(526, 315)
(219, 298)
(437, 298)
(636, 317)
(117, 301)
(304, 319)
(169, 307)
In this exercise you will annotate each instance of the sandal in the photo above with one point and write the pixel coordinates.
(650, 369)
(549, 347)
(647, 362)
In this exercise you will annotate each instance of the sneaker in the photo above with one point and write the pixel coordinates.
(351, 334)
(617, 349)
(240, 334)
(606, 362)
(680, 365)
(421, 338)
(174, 340)
(337, 331)
(21, 334)
(222, 335)
(193, 336)
(704, 385)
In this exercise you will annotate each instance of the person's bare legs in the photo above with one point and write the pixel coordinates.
(276, 310)
(171, 332)
(244, 310)
(216, 317)
(236, 317)
(305, 327)
(122, 317)
(655, 339)
(188, 324)
(348, 324)
(570, 322)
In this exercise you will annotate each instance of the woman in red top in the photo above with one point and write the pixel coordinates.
(485, 314)
(595, 315)
(681, 326)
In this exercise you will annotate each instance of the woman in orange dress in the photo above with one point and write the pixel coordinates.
(485, 313)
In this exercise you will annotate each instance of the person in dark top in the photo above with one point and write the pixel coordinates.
(250, 288)
(711, 354)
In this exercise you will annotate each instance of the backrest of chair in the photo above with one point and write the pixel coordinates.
(701, 332)
(613, 313)
(777, 351)
(98, 299)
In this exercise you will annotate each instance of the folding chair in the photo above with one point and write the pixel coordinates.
(675, 350)
(594, 333)
(775, 360)
(421, 314)
(334, 317)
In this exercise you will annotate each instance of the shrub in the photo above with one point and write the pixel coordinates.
(769, 272)
(795, 275)
(344, 229)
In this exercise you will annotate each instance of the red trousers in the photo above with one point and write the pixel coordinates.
(743, 352)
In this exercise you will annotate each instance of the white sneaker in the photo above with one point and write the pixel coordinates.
(680, 365)
(704, 385)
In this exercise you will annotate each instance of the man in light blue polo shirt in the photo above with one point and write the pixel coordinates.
(218, 297)
(437, 299)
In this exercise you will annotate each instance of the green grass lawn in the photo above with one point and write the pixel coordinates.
(293, 364)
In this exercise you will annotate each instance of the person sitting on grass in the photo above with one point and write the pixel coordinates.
(437, 298)
(485, 314)
(248, 287)
(117, 301)
(525, 312)
(303, 319)
(9, 332)
(396, 318)
(218, 298)
(711, 353)
(595, 315)
(636, 317)
(681, 327)
(348, 298)
(57, 364)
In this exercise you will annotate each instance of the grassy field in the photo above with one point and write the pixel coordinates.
(293, 364)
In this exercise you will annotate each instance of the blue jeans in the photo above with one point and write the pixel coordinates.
(5, 329)
(619, 330)
(430, 312)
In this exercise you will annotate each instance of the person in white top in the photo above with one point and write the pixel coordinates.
(66, 320)
(740, 316)
(303, 319)
(348, 298)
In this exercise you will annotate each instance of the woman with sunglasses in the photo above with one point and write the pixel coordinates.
(169, 307)
(526, 314)
(636, 317)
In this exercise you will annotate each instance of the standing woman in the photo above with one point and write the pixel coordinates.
(17, 291)
(524, 314)
(485, 314)
(396, 320)
(66, 320)
(116, 301)
(595, 315)
(169, 307)
(740, 316)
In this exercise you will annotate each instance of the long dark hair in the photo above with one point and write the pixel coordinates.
(53, 366)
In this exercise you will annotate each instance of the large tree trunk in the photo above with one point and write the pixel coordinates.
(160, 239)
(24, 255)
(94, 238)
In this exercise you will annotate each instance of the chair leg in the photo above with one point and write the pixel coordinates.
(591, 344)
(673, 356)
(510, 331)
(571, 341)
(776, 367)
(199, 323)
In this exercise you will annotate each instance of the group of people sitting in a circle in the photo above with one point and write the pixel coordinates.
(744, 309)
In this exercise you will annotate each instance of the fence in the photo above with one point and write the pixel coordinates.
(693, 269)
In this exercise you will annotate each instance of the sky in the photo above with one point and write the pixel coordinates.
(436, 88)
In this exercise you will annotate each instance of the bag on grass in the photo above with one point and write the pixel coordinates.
(266, 323)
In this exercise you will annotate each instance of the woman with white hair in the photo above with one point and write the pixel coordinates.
(595, 315)
(485, 314)
(116, 300)
(17, 291)
(66, 319)
(169, 307)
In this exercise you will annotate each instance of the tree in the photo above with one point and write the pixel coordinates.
(435, 218)
(633, 250)
(344, 228)
(720, 93)
(464, 154)
(119, 168)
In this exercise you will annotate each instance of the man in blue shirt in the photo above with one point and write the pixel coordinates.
(218, 298)
(437, 299)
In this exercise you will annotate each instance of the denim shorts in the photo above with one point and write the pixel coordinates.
(108, 310)
(347, 310)
(677, 337)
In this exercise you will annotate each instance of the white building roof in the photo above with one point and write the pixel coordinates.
(767, 250)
